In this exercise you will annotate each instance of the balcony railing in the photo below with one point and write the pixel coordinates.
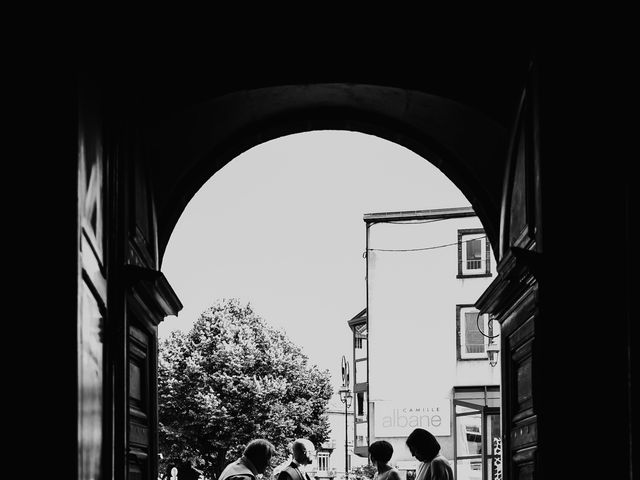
(474, 264)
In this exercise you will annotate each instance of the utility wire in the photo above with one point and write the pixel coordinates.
(419, 249)
(401, 222)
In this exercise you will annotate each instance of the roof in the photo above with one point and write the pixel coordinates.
(362, 313)
(454, 212)
(359, 318)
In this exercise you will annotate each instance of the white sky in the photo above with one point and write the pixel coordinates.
(281, 227)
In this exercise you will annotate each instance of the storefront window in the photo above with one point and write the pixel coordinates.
(469, 435)
(494, 447)
(477, 443)
(469, 469)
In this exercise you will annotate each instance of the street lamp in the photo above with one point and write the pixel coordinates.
(493, 350)
(345, 397)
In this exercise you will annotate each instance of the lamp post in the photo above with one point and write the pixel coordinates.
(345, 397)
(493, 348)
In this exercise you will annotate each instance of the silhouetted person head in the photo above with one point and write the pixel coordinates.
(380, 452)
(259, 451)
(303, 451)
(423, 445)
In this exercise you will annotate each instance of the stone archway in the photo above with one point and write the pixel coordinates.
(152, 166)
(467, 146)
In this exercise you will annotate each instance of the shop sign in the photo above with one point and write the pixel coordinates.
(398, 419)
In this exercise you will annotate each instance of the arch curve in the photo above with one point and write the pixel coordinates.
(189, 148)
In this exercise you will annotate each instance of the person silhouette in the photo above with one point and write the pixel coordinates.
(302, 451)
(426, 449)
(380, 453)
(284, 464)
(254, 461)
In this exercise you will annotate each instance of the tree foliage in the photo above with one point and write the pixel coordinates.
(364, 472)
(230, 379)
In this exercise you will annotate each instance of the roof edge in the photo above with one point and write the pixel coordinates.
(420, 214)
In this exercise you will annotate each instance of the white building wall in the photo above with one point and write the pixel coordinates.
(412, 298)
(337, 436)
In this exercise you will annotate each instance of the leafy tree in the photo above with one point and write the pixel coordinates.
(230, 379)
(364, 472)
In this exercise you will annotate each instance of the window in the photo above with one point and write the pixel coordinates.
(360, 341)
(361, 371)
(360, 332)
(473, 253)
(477, 437)
(472, 344)
(323, 461)
(361, 406)
(362, 434)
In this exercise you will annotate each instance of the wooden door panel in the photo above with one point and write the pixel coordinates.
(121, 294)
(142, 449)
(513, 297)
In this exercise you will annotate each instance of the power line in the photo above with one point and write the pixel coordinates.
(420, 249)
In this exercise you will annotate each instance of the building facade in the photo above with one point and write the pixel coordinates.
(425, 271)
(333, 457)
